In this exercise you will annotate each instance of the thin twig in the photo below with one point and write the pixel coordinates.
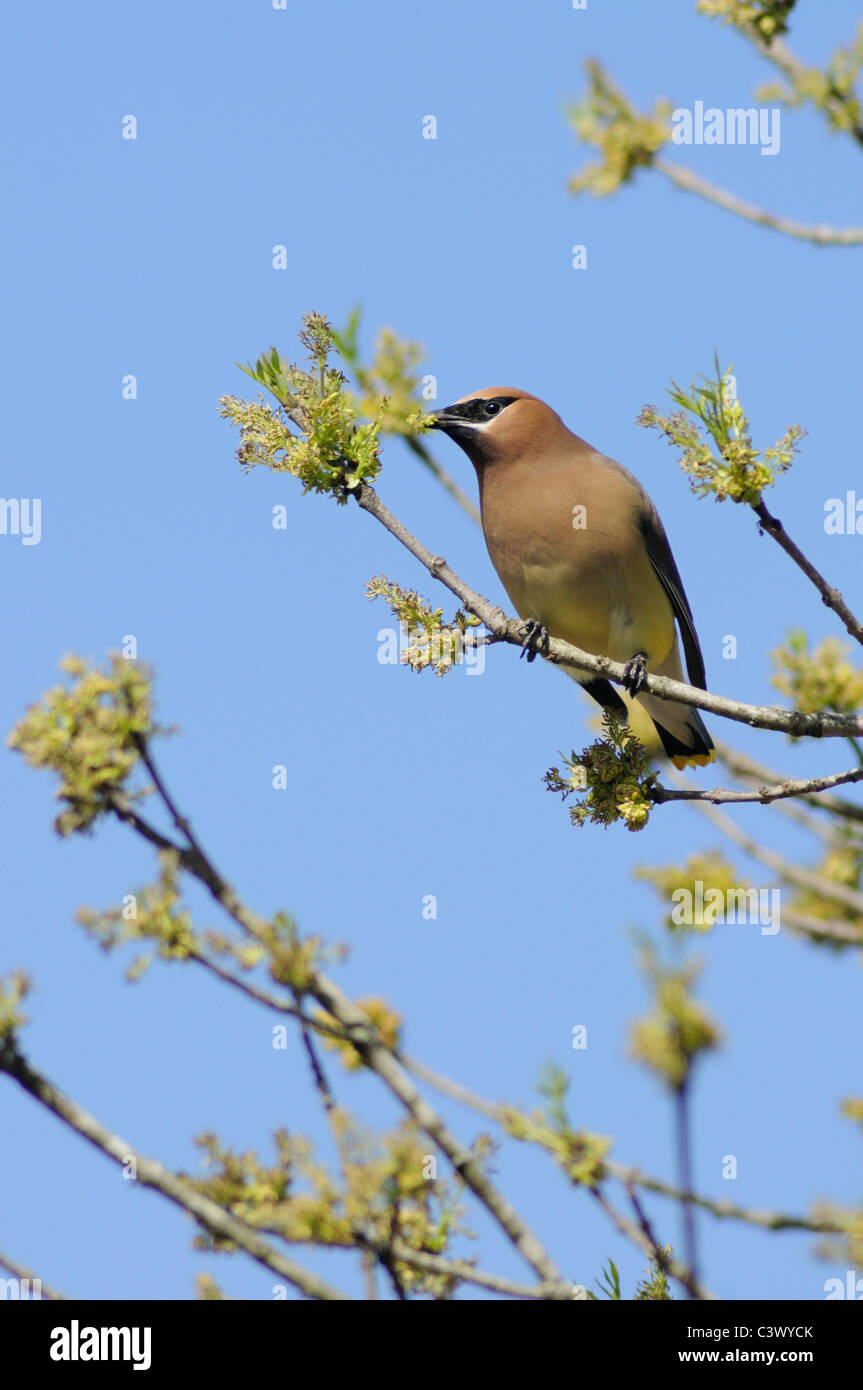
(745, 767)
(724, 1210)
(790, 787)
(830, 596)
(660, 1254)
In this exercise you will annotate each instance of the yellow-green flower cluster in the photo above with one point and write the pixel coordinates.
(677, 1030)
(712, 431)
(580, 1154)
(626, 139)
(332, 453)
(767, 18)
(90, 733)
(153, 914)
(386, 1191)
(386, 1022)
(432, 643)
(388, 387)
(820, 680)
(612, 778)
(711, 869)
(14, 989)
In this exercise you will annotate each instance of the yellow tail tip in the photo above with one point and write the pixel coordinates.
(682, 760)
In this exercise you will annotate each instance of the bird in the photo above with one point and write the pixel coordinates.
(582, 553)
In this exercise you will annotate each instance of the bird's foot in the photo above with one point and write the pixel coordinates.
(635, 673)
(535, 637)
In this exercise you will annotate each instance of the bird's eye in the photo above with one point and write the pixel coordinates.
(492, 407)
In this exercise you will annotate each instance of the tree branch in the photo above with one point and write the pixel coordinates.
(791, 873)
(820, 235)
(831, 597)
(363, 1036)
(505, 629)
(767, 1220)
(748, 769)
(777, 52)
(790, 787)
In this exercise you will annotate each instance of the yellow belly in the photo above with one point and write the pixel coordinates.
(611, 613)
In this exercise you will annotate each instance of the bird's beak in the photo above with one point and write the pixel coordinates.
(451, 417)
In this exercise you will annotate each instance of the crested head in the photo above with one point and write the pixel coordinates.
(499, 422)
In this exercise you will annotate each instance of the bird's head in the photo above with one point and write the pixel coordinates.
(497, 422)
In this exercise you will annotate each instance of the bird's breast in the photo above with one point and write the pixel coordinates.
(572, 557)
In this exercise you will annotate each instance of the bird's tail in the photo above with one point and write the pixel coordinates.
(680, 727)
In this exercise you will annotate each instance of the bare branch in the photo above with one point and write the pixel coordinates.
(791, 873)
(831, 597)
(725, 1211)
(745, 767)
(790, 787)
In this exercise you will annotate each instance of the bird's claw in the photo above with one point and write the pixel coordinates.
(635, 673)
(535, 637)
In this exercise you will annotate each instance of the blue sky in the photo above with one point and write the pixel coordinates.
(154, 257)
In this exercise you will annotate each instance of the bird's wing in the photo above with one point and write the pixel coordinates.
(669, 576)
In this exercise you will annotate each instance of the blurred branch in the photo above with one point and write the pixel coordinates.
(791, 873)
(840, 106)
(822, 929)
(820, 234)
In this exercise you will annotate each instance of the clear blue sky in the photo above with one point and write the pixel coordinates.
(153, 257)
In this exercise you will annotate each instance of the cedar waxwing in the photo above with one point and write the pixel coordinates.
(582, 553)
